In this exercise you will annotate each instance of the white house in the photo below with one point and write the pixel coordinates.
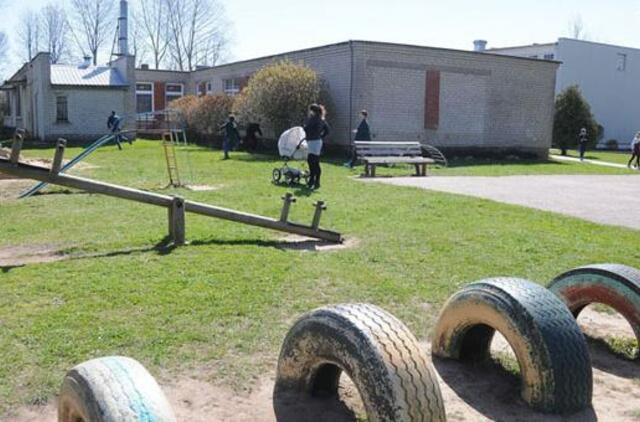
(608, 75)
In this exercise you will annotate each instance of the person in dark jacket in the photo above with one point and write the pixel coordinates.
(231, 135)
(251, 137)
(316, 129)
(363, 133)
(113, 123)
(583, 138)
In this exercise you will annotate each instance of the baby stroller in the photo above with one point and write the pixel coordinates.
(292, 145)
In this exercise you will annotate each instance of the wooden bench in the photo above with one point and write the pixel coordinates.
(375, 153)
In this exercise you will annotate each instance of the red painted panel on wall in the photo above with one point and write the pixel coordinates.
(159, 96)
(432, 100)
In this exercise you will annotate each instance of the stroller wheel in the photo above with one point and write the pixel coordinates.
(276, 175)
(289, 179)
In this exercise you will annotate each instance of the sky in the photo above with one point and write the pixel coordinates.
(267, 27)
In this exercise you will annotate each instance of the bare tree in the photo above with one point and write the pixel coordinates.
(96, 21)
(29, 35)
(196, 26)
(138, 45)
(55, 32)
(576, 28)
(152, 21)
(4, 49)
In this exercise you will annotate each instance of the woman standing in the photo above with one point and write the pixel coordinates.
(316, 129)
(635, 151)
(583, 138)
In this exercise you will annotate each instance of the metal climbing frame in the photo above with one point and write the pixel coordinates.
(176, 206)
(87, 151)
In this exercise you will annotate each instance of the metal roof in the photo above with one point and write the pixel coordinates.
(98, 76)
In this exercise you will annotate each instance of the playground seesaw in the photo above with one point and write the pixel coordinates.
(176, 206)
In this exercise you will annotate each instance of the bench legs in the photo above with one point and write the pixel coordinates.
(369, 170)
(421, 170)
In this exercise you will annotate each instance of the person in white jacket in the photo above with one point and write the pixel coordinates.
(635, 151)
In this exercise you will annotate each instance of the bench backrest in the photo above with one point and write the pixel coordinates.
(388, 149)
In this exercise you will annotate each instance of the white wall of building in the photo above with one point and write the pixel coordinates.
(611, 87)
(608, 75)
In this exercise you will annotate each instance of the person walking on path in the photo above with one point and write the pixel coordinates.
(231, 135)
(583, 138)
(254, 132)
(635, 151)
(113, 123)
(316, 129)
(363, 133)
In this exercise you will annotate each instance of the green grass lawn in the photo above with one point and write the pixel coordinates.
(227, 299)
(618, 157)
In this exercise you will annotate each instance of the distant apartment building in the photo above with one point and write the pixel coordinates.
(608, 75)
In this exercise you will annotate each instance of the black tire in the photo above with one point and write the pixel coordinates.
(112, 389)
(276, 175)
(614, 285)
(383, 359)
(550, 349)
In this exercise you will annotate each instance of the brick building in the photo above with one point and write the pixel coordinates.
(456, 100)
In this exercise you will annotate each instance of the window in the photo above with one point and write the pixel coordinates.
(231, 87)
(62, 109)
(549, 56)
(18, 103)
(144, 98)
(622, 62)
(173, 92)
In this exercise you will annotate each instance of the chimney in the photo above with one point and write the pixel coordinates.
(123, 48)
(479, 45)
(144, 66)
(86, 62)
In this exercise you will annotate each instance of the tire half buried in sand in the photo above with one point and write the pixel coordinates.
(551, 351)
(614, 285)
(392, 374)
(112, 389)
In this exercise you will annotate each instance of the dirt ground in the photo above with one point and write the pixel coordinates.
(470, 393)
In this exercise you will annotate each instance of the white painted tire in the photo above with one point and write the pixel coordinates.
(112, 389)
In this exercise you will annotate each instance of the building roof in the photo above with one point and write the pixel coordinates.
(375, 43)
(98, 76)
(522, 46)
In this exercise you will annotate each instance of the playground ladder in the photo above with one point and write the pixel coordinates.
(172, 161)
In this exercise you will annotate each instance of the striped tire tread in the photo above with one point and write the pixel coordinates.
(112, 389)
(538, 326)
(378, 353)
(614, 285)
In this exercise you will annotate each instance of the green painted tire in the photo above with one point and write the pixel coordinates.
(614, 285)
(383, 359)
(112, 389)
(550, 349)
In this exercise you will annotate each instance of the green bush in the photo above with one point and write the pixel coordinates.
(612, 144)
(572, 114)
(278, 95)
(203, 115)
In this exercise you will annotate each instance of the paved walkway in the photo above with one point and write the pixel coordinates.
(613, 200)
(586, 160)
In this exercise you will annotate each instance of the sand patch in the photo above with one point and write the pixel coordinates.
(203, 188)
(19, 255)
(306, 244)
(471, 392)
(10, 188)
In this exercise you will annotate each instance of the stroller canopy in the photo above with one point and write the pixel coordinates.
(292, 144)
